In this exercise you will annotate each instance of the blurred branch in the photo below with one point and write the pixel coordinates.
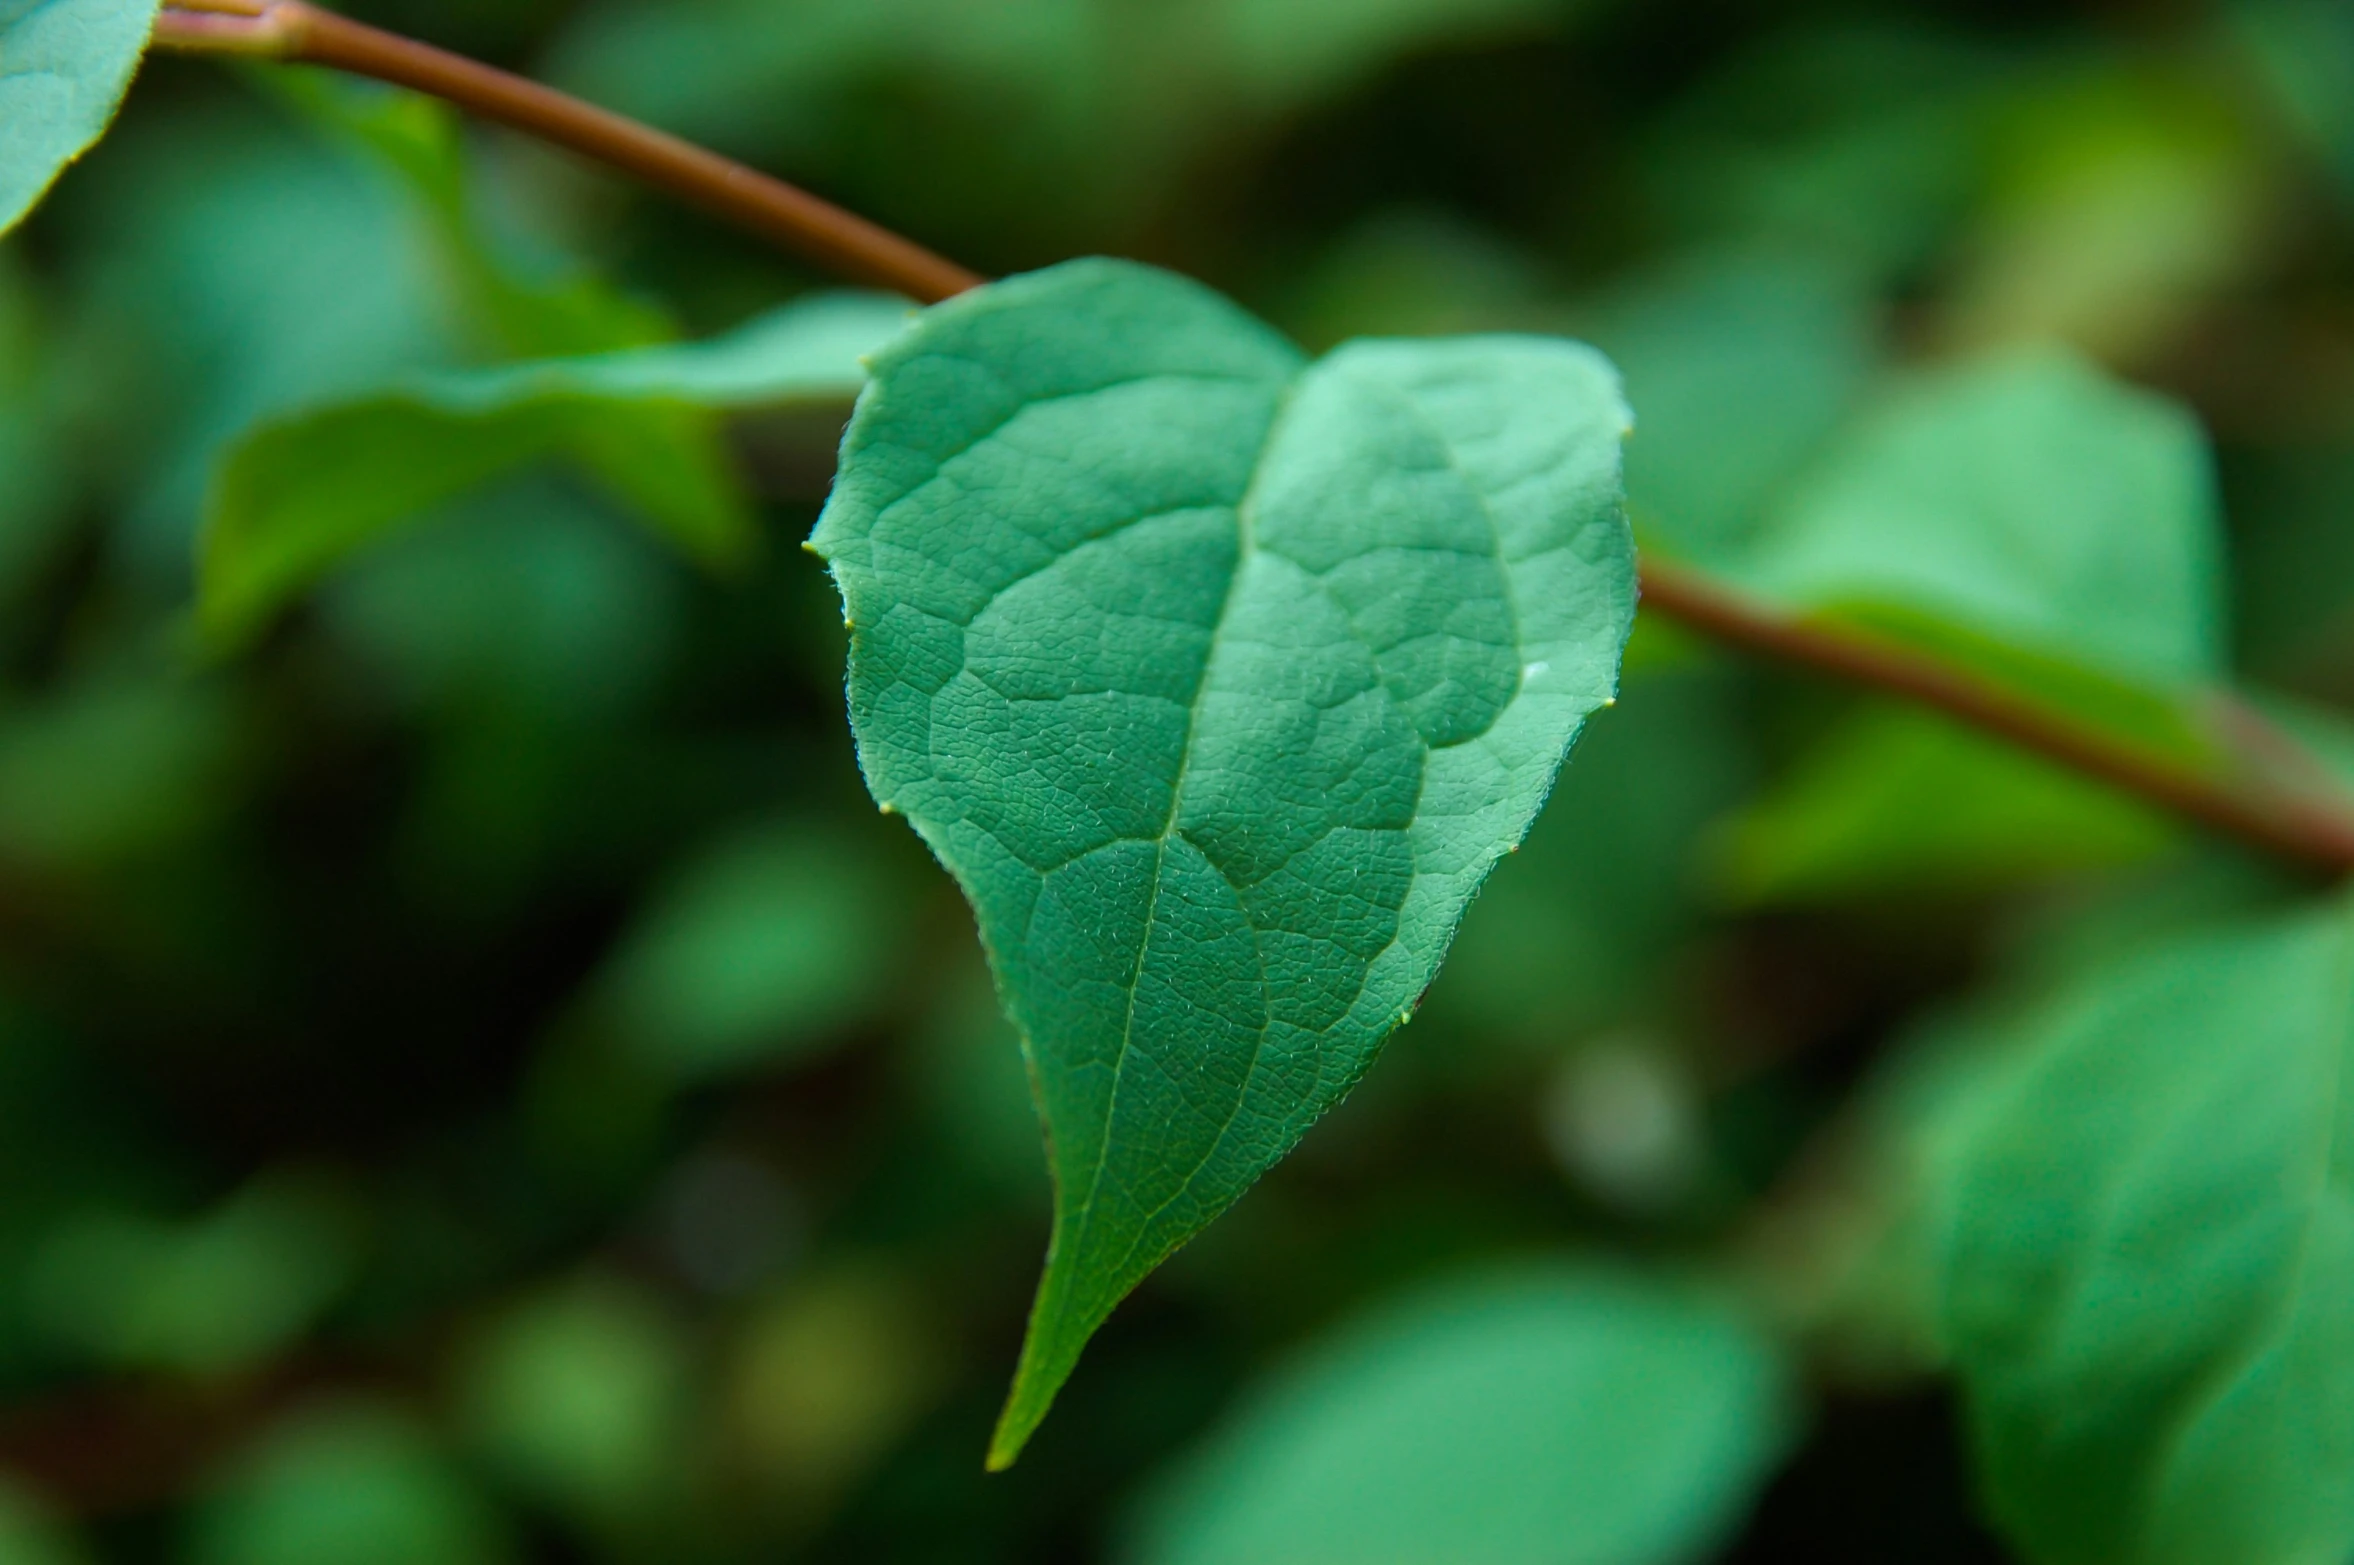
(2255, 800)
(292, 31)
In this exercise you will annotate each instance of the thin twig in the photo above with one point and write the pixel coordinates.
(817, 230)
(2282, 809)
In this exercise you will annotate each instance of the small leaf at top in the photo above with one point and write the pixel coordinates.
(1220, 680)
(64, 66)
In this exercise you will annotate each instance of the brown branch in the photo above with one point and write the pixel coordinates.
(2289, 809)
(817, 230)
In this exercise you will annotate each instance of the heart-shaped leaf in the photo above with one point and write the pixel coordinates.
(64, 65)
(1220, 680)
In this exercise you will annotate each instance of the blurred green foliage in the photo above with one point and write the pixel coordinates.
(1598, 1420)
(479, 1083)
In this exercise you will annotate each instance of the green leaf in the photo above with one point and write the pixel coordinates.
(2303, 53)
(2035, 526)
(2151, 1285)
(298, 495)
(1286, 52)
(113, 769)
(1897, 798)
(2120, 204)
(1054, 116)
(210, 1298)
(64, 67)
(1554, 1417)
(580, 1396)
(543, 312)
(2025, 499)
(1744, 363)
(348, 1483)
(1220, 681)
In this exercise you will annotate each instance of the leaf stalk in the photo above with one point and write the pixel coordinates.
(817, 230)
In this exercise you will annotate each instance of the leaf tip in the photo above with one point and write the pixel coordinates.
(1014, 1427)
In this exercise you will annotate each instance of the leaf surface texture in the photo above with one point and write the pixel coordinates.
(64, 66)
(1220, 681)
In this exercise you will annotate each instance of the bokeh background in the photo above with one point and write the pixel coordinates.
(480, 1084)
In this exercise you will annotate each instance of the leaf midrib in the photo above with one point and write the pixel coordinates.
(1245, 547)
(1245, 512)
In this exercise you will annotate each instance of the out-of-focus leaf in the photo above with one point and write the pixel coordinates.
(581, 1398)
(749, 74)
(113, 770)
(1220, 681)
(64, 66)
(1288, 52)
(2025, 498)
(1861, 142)
(2044, 529)
(1900, 800)
(1416, 272)
(298, 495)
(2151, 1265)
(2119, 205)
(211, 236)
(207, 1298)
(531, 633)
(2304, 53)
(1098, 102)
(1558, 1417)
(533, 602)
(757, 951)
(1855, 1259)
(1855, 1254)
(544, 313)
(1740, 365)
(346, 1484)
